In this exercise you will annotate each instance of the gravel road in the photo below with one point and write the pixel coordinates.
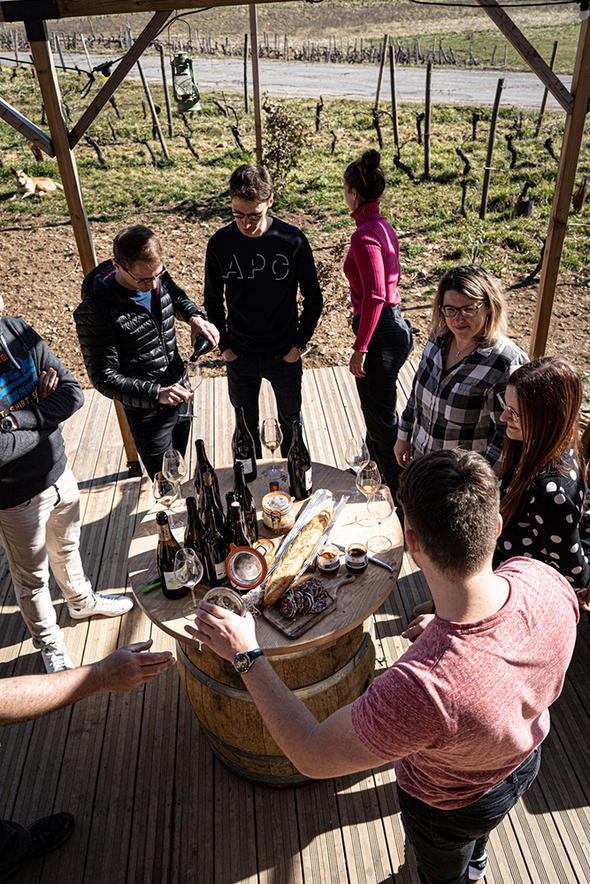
(306, 80)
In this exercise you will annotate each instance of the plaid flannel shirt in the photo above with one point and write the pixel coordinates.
(460, 410)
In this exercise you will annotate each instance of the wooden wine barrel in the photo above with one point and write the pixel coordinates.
(325, 680)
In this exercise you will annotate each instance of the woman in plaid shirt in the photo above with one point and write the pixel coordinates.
(466, 362)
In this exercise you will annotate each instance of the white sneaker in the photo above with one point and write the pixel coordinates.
(477, 868)
(56, 657)
(107, 605)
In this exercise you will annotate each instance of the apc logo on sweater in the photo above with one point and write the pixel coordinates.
(279, 267)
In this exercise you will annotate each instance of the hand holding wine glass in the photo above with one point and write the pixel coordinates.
(188, 570)
(368, 479)
(356, 456)
(380, 506)
(271, 437)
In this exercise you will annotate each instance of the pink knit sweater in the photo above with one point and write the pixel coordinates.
(372, 269)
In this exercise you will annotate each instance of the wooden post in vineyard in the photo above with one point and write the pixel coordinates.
(166, 93)
(381, 66)
(427, 116)
(393, 97)
(490, 154)
(256, 82)
(246, 73)
(545, 93)
(148, 95)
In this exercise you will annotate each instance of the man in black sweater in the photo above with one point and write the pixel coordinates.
(253, 270)
(39, 505)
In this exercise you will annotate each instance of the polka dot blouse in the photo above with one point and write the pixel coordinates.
(551, 525)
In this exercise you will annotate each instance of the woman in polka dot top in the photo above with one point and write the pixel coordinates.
(542, 485)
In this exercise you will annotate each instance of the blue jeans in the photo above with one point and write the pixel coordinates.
(390, 345)
(244, 377)
(444, 841)
(155, 430)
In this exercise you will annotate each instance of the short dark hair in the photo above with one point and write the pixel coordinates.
(450, 499)
(136, 242)
(366, 176)
(251, 183)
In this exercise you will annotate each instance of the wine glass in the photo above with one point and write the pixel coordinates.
(368, 479)
(380, 506)
(174, 466)
(188, 570)
(271, 437)
(167, 493)
(194, 375)
(356, 456)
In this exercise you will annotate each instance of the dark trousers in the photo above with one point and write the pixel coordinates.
(444, 841)
(15, 841)
(244, 377)
(389, 347)
(156, 430)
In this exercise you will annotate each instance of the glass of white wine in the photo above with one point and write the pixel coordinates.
(368, 479)
(166, 491)
(356, 456)
(380, 506)
(194, 375)
(271, 437)
(188, 570)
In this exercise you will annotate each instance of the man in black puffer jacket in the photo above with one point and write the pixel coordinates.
(125, 324)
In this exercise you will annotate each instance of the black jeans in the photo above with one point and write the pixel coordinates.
(445, 840)
(390, 345)
(15, 842)
(155, 430)
(244, 377)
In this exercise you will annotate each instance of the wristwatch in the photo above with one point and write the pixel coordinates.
(8, 424)
(243, 662)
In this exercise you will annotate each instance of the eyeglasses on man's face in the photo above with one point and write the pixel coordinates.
(466, 312)
(147, 279)
(513, 414)
(253, 216)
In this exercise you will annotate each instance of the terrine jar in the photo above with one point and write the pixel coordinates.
(277, 512)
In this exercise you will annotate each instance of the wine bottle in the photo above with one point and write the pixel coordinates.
(299, 465)
(201, 347)
(230, 496)
(208, 498)
(216, 550)
(193, 535)
(203, 461)
(237, 532)
(246, 501)
(166, 551)
(242, 446)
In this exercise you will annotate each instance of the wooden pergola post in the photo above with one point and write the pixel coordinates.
(50, 91)
(564, 185)
(256, 82)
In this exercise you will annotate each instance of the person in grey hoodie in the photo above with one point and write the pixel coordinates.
(39, 504)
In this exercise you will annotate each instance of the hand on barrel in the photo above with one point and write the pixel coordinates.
(223, 631)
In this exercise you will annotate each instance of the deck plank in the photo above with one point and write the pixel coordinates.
(153, 805)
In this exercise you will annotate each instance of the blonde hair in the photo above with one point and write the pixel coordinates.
(478, 284)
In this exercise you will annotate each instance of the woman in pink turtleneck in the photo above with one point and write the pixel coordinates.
(383, 337)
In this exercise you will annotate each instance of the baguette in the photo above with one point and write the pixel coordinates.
(290, 564)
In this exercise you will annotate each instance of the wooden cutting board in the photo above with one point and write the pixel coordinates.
(300, 623)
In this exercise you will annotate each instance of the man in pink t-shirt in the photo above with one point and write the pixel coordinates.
(464, 711)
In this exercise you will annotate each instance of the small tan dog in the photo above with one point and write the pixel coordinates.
(28, 186)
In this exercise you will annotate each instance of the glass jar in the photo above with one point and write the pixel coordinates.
(277, 512)
(356, 560)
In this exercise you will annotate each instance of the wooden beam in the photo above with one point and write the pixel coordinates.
(529, 53)
(15, 119)
(21, 10)
(120, 72)
(564, 185)
(256, 82)
(43, 60)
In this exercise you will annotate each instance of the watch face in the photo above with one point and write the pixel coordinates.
(242, 663)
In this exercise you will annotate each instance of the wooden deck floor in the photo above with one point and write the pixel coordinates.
(153, 806)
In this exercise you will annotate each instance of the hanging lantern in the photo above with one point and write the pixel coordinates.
(184, 86)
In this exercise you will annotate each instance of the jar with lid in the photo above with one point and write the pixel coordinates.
(277, 512)
(328, 560)
(356, 559)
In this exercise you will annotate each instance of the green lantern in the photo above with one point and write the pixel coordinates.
(184, 86)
